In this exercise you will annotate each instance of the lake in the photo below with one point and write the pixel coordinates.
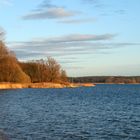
(103, 112)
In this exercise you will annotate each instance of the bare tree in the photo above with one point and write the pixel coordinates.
(2, 34)
(37, 70)
(53, 70)
(10, 70)
(64, 76)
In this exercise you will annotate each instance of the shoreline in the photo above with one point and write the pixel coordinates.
(6, 85)
(43, 85)
(3, 136)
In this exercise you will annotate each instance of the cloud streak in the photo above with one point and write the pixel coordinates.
(104, 7)
(50, 13)
(77, 21)
(79, 37)
(46, 10)
(95, 3)
(66, 46)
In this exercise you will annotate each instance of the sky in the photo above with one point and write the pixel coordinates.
(87, 37)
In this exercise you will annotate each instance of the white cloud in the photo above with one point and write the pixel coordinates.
(6, 2)
(49, 13)
(79, 37)
(77, 21)
(68, 45)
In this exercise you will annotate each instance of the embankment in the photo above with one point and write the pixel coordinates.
(43, 85)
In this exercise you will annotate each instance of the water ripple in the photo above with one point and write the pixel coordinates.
(104, 112)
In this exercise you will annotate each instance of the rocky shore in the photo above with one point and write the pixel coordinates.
(43, 85)
(3, 136)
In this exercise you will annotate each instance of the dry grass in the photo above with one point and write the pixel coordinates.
(43, 85)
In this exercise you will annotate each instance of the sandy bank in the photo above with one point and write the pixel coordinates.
(43, 85)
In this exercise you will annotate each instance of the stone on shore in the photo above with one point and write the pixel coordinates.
(3, 136)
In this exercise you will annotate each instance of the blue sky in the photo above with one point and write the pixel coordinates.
(87, 37)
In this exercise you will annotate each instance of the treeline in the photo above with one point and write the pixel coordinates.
(106, 79)
(44, 71)
(12, 70)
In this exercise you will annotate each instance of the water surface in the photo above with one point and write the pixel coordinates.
(103, 112)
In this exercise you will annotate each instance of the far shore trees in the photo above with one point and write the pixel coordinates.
(107, 79)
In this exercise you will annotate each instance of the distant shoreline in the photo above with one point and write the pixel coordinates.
(106, 79)
(43, 85)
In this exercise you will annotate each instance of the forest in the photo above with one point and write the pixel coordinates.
(35, 71)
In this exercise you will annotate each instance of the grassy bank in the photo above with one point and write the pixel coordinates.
(42, 85)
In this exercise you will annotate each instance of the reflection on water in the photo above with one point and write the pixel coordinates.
(104, 112)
